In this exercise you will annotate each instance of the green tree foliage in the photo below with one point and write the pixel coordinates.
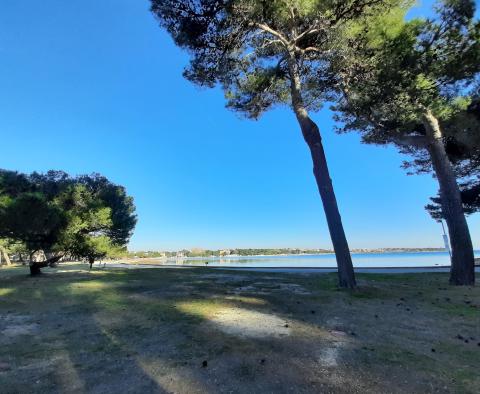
(411, 84)
(265, 53)
(86, 217)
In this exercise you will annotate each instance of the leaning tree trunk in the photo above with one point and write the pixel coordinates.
(312, 137)
(36, 266)
(462, 270)
(4, 252)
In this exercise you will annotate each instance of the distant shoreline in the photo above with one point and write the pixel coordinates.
(354, 251)
(283, 262)
(212, 259)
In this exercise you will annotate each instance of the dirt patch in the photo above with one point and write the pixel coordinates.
(224, 278)
(14, 325)
(246, 323)
(267, 287)
(174, 290)
(294, 288)
(183, 331)
(249, 289)
(329, 355)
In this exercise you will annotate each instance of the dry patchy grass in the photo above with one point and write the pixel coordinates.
(207, 331)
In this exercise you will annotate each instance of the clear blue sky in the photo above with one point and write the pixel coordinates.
(96, 86)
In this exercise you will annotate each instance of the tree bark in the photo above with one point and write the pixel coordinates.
(312, 137)
(35, 269)
(4, 252)
(462, 270)
(91, 260)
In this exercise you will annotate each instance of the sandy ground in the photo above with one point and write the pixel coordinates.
(204, 331)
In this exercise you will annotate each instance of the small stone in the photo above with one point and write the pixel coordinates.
(286, 325)
(262, 361)
(460, 337)
(338, 333)
(204, 364)
(433, 350)
(312, 312)
(376, 316)
(466, 341)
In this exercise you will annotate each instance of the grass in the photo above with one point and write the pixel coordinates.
(153, 330)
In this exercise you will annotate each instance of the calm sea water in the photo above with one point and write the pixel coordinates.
(360, 260)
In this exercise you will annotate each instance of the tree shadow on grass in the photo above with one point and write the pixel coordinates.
(151, 331)
(66, 350)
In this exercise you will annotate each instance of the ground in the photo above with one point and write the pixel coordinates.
(204, 330)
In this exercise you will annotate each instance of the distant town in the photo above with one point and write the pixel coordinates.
(199, 252)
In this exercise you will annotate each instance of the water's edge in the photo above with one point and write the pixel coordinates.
(361, 261)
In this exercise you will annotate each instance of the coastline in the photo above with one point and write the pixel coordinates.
(424, 260)
(353, 252)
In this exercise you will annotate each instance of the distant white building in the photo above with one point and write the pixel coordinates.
(225, 252)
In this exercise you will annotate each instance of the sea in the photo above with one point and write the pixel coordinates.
(326, 261)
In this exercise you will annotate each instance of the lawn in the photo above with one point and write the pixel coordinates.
(204, 330)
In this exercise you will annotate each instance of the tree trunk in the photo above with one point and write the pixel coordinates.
(35, 269)
(312, 137)
(36, 266)
(3, 251)
(462, 270)
(91, 260)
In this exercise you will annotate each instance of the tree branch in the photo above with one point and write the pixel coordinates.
(275, 33)
(310, 30)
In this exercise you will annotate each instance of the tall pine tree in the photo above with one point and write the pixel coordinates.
(406, 83)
